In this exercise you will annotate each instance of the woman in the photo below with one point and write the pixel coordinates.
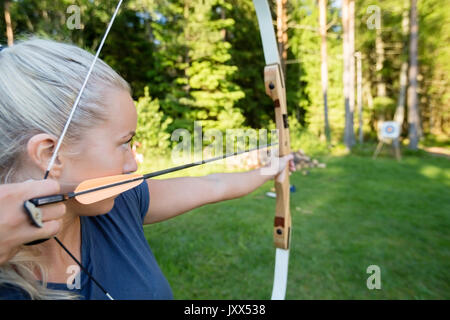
(38, 84)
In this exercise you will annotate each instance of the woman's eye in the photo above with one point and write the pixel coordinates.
(127, 143)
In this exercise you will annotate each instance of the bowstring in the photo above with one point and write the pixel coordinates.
(63, 134)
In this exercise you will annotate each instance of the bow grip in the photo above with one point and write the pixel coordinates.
(275, 89)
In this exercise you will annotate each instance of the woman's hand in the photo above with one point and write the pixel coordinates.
(283, 162)
(15, 226)
(276, 167)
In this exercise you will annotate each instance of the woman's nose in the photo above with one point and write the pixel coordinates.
(131, 164)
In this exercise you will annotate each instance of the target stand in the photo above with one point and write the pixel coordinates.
(389, 133)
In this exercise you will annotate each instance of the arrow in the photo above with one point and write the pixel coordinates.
(98, 189)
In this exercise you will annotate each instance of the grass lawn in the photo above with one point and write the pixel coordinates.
(355, 213)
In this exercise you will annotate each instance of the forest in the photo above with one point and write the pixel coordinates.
(348, 64)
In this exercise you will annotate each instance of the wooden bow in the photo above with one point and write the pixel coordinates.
(276, 90)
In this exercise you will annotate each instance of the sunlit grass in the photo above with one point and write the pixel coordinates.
(355, 213)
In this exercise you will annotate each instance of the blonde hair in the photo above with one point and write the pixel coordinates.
(39, 82)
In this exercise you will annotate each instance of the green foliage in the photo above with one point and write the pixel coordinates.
(433, 55)
(304, 39)
(434, 66)
(432, 140)
(305, 140)
(203, 60)
(201, 75)
(152, 125)
(384, 108)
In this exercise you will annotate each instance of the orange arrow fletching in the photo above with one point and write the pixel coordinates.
(107, 187)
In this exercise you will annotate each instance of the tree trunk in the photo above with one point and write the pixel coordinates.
(282, 36)
(223, 17)
(348, 47)
(367, 90)
(379, 49)
(400, 109)
(9, 29)
(359, 93)
(413, 102)
(351, 39)
(324, 64)
(187, 39)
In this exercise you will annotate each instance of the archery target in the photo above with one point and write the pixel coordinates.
(390, 130)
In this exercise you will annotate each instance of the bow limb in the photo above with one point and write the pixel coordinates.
(275, 89)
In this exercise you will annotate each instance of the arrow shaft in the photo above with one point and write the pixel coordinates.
(63, 197)
(198, 163)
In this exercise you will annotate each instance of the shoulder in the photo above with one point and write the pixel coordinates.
(136, 201)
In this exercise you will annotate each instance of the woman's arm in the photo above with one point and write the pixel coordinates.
(172, 197)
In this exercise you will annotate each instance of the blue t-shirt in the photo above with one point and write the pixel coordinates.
(115, 251)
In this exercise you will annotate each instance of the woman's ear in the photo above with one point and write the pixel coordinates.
(40, 150)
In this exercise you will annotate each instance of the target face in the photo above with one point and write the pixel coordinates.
(390, 130)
